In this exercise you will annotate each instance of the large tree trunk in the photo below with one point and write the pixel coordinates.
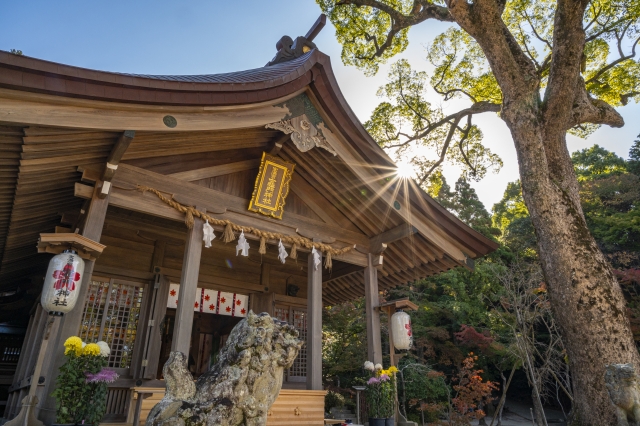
(585, 296)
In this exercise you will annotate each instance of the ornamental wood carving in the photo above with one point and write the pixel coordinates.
(302, 123)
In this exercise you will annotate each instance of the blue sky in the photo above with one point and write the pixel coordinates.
(205, 37)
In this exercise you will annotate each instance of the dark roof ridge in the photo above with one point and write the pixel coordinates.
(15, 66)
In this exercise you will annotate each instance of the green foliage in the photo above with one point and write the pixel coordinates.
(596, 162)
(410, 126)
(333, 400)
(610, 198)
(633, 164)
(511, 216)
(76, 400)
(422, 383)
(362, 31)
(414, 129)
(380, 394)
(16, 52)
(344, 341)
(461, 69)
(464, 202)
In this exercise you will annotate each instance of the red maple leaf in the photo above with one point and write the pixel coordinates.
(238, 302)
(222, 300)
(228, 308)
(196, 305)
(172, 292)
(207, 297)
(211, 307)
(243, 311)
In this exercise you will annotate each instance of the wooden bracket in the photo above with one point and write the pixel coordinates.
(57, 243)
(113, 160)
(276, 146)
(379, 243)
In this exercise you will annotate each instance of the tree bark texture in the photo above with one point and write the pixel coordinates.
(585, 296)
(586, 299)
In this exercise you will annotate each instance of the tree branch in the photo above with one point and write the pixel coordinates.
(564, 71)
(422, 10)
(443, 153)
(616, 62)
(465, 135)
(589, 110)
(477, 108)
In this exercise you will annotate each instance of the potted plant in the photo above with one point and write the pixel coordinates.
(380, 394)
(81, 387)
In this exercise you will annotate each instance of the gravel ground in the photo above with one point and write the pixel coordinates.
(519, 414)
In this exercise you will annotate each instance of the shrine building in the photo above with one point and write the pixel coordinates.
(138, 169)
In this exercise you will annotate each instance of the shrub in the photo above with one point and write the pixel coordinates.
(81, 387)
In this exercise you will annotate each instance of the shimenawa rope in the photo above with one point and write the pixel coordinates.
(229, 228)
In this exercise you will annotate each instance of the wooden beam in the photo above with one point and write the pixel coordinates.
(236, 208)
(116, 154)
(113, 160)
(218, 282)
(213, 171)
(374, 342)
(335, 274)
(378, 243)
(49, 110)
(277, 144)
(316, 27)
(314, 325)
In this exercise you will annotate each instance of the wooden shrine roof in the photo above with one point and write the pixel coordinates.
(56, 119)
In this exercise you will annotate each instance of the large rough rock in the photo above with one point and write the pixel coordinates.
(240, 388)
(622, 384)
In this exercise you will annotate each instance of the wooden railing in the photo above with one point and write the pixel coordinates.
(118, 400)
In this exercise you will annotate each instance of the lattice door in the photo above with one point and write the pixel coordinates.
(298, 318)
(111, 313)
(298, 371)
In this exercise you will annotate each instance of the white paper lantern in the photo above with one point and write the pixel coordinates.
(62, 282)
(401, 330)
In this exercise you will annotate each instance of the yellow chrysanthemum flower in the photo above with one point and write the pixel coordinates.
(392, 369)
(91, 349)
(73, 344)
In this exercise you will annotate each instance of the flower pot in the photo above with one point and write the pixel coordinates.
(377, 422)
(389, 422)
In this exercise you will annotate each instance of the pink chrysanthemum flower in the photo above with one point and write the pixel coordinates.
(373, 380)
(104, 376)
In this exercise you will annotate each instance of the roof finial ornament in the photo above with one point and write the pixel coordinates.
(289, 49)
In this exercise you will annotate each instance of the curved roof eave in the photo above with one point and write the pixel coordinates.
(312, 70)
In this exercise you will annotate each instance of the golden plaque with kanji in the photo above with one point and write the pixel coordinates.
(272, 186)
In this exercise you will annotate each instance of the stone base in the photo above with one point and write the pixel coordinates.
(26, 417)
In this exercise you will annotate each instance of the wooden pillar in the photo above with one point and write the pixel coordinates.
(154, 344)
(374, 341)
(70, 323)
(145, 362)
(188, 285)
(314, 325)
